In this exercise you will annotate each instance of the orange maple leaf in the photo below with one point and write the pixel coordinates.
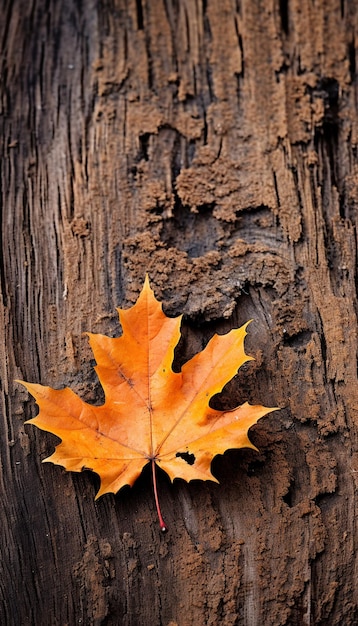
(150, 414)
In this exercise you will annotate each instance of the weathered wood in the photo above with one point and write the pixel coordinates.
(213, 144)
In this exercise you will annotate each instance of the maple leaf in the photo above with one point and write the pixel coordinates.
(151, 414)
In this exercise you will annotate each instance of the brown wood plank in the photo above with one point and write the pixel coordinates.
(214, 145)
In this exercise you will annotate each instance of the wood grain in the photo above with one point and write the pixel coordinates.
(214, 145)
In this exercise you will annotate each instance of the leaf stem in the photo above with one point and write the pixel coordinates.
(163, 526)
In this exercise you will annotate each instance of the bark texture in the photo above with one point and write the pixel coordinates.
(214, 145)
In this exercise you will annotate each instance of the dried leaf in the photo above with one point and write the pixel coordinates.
(150, 414)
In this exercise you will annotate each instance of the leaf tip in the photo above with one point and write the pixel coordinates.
(147, 289)
(146, 285)
(28, 386)
(48, 458)
(21, 382)
(248, 322)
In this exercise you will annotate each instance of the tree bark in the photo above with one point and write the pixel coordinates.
(213, 145)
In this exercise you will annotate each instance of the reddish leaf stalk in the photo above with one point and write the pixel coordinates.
(162, 524)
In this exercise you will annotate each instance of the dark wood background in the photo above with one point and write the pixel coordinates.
(214, 145)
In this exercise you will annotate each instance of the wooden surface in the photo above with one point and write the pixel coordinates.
(214, 145)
